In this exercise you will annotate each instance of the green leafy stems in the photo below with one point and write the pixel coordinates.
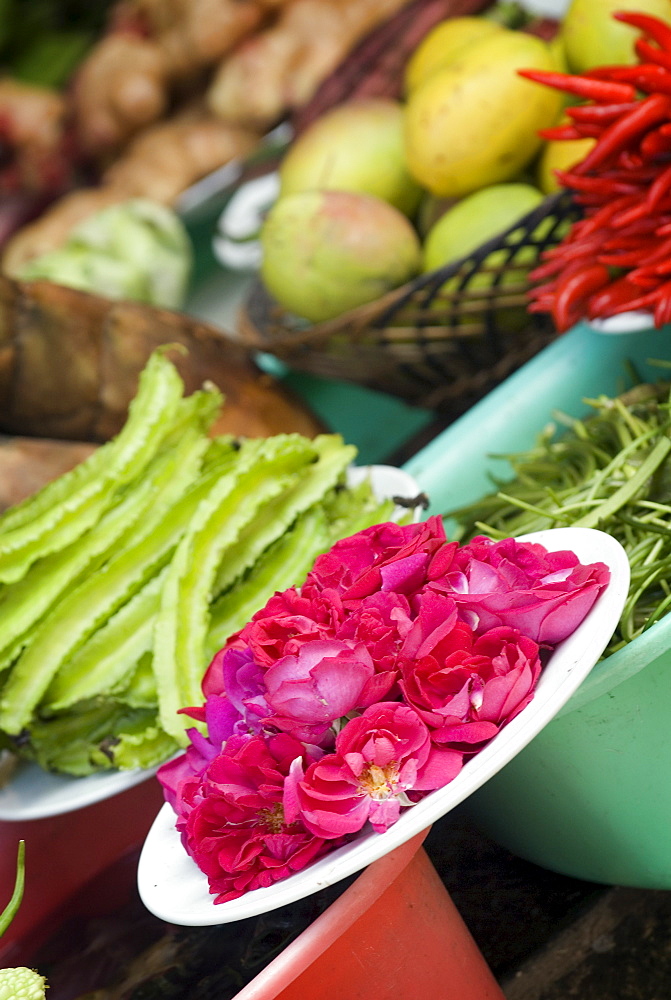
(12, 907)
(610, 470)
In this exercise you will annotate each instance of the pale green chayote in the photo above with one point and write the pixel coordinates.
(21, 984)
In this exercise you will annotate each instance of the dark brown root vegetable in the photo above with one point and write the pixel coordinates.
(27, 464)
(70, 361)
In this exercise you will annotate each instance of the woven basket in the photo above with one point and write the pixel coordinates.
(435, 346)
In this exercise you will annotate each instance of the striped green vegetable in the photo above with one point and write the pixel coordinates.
(120, 579)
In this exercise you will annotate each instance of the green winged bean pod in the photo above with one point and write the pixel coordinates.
(181, 629)
(284, 564)
(75, 617)
(273, 518)
(62, 512)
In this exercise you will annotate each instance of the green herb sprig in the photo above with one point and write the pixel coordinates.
(610, 470)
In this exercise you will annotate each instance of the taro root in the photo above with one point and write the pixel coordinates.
(70, 361)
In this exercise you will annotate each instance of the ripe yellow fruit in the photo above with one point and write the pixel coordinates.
(442, 44)
(476, 219)
(325, 252)
(559, 154)
(476, 122)
(592, 36)
(356, 146)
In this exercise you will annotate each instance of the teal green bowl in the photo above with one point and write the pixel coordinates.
(591, 795)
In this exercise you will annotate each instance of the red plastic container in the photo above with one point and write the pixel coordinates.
(65, 852)
(395, 933)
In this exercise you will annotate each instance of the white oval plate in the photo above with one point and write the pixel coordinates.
(629, 322)
(174, 889)
(33, 793)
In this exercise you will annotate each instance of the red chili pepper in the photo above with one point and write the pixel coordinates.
(663, 305)
(661, 270)
(659, 257)
(620, 260)
(589, 202)
(543, 292)
(646, 76)
(642, 175)
(546, 270)
(582, 86)
(655, 145)
(649, 78)
(641, 302)
(647, 52)
(642, 228)
(659, 189)
(550, 267)
(603, 216)
(599, 114)
(654, 27)
(633, 214)
(573, 290)
(648, 112)
(619, 293)
(594, 185)
(630, 161)
(643, 281)
(569, 132)
(570, 250)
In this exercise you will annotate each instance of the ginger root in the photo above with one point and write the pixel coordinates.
(170, 156)
(280, 68)
(196, 34)
(121, 87)
(159, 164)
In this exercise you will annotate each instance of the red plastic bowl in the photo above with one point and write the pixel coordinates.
(393, 933)
(63, 853)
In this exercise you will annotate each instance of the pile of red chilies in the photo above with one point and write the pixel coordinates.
(617, 257)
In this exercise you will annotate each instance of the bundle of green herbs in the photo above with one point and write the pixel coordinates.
(610, 470)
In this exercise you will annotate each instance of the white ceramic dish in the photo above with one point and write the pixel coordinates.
(174, 889)
(236, 245)
(33, 793)
(629, 322)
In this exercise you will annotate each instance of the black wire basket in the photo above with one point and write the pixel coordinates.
(441, 341)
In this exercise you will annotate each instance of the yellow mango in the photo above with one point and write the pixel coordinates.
(559, 154)
(443, 43)
(475, 122)
(592, 37)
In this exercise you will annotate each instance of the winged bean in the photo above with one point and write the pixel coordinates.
(181, 627)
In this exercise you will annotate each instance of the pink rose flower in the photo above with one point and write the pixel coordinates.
(384, 557)
(544, 594)
(324, 682)
(414, 651)
(381, 621)
(243, 683)
(465, 691)
(222, 720)
(288, 621)
(380, 757)
(234, 826)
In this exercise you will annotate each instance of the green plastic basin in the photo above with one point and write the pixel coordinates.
(590, 796)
